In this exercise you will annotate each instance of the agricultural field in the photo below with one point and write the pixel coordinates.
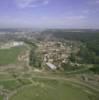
(9, 84)
(52, 90)
(5, 76)
(1, 97)
(10, 56)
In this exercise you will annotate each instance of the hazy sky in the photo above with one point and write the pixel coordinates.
(49, 13)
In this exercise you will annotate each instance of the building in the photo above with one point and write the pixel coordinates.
(51, 66)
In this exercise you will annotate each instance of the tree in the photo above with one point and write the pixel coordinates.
(72, 57)
(95, 69)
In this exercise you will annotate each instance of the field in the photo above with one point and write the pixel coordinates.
(9, 56)
(1, 97)
(5, 76)
(10, 84)
(51, 90)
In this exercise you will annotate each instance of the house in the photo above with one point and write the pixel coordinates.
(51, 66)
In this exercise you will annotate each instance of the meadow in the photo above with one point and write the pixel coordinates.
(52, 90)
(1, 97)
(9, 56)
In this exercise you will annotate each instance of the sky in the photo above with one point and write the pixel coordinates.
(49, 14)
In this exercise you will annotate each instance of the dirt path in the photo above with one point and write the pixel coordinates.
(67, 79)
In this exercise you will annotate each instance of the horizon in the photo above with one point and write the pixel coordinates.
(64, 14)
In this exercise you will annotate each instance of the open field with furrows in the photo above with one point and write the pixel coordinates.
(10, 56)
(45, 89)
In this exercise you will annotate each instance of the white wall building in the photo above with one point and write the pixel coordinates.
(51, 66)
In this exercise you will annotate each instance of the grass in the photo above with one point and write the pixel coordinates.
(9, 56)
(1, 97)
(5, 76)
(10, 84)
(24, 81)
(51, 90)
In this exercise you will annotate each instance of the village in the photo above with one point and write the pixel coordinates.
(55, 53)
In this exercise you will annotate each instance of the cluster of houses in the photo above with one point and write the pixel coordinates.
(54, 53)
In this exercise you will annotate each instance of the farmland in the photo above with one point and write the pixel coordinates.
(1, 98)
(52, 90)
(9, 56)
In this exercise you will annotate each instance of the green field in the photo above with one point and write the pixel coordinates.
(10, 84)
(1, 97)
(5, 76)
(51, 90)
(9, 56)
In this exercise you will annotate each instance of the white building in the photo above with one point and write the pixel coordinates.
(11, 44)
(51, 66)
